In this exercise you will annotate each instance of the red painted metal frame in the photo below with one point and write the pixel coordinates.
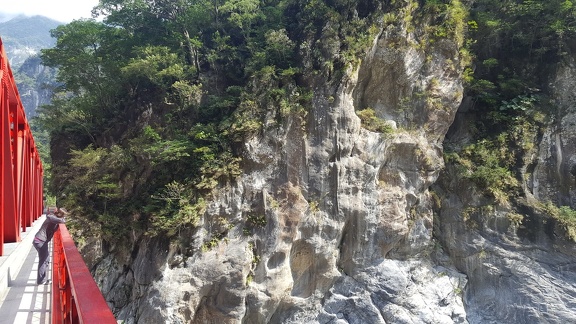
(21, 173)
(76, 298)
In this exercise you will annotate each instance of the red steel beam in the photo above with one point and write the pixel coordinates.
(8, 199)
(76, 297)
(21, 171)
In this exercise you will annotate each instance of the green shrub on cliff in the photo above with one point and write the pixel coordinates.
(565, 217)
(165, 92)
(372, 122)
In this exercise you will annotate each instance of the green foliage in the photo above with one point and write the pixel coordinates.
(150, 147)
(372, 122)
(488, 164)
(256, 220)
(42, 141)
(517, 43)
(156, 97)
(490, 63)
(358, 41)
(253, 222)
(340, 31)
(155, 64)
(84, 172)
(566, 218)
(242, 14)
(79, 57)
(454, 20)
(505, 138)
(279, 47)
(515, 218)
(521, 102)
(213, 169)
(314, 206)
(177, 210)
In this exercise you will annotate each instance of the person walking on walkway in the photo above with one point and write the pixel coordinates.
(43, 237)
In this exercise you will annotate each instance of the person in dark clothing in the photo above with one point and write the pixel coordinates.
(43, 237)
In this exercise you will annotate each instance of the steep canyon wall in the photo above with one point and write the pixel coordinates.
(348, 225)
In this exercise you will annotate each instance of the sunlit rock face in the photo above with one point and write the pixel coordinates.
(347, 231)
(518, 270)
(39, 93)
(334, 223)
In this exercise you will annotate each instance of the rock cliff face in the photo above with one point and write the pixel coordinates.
(518, 271)
(343, 226)
(36, 83)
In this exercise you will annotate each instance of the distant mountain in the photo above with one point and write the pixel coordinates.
(24, 36)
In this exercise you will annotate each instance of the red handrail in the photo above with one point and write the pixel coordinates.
(75, 296)
(21, 170)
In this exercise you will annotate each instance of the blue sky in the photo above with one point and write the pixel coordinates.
(60, 10)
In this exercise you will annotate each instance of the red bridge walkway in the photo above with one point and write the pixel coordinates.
(72, 296)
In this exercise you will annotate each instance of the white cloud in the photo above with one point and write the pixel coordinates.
(61, 10)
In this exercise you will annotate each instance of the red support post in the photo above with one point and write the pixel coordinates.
(58, 264)
(7, 193)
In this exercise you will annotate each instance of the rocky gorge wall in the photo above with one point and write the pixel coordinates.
(343, 226)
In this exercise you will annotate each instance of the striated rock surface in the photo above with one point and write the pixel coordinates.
(346, 215)
(333, 223)
(36, 84)
(519, 270)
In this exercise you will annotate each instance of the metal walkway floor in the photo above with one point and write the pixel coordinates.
(24, 301)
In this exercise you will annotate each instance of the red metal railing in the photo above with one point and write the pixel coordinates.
(20, 166)
(75, 296)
